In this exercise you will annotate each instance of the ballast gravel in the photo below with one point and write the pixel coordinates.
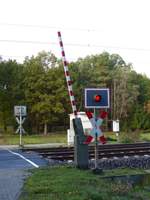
(142, 162)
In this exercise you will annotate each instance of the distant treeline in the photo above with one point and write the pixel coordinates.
(39, 83)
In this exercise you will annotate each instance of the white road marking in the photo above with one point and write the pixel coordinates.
(21, 156)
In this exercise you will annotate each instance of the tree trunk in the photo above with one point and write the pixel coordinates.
(4, 122)
(45, 128)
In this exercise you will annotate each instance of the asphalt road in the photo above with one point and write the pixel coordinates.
(14, 166)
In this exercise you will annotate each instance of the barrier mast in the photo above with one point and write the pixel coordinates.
(67, 75)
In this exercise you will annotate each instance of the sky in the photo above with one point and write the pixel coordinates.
(88, 27)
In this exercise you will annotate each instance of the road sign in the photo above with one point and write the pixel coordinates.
(97, 98)
(96, 131)
(20, 110)
(20, 113)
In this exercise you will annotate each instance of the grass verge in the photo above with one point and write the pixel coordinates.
(68, 183)
(13, 139)
(33, 139)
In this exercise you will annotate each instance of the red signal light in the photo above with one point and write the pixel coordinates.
(97, 98)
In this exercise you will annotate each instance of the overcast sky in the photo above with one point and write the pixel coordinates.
(87, 26)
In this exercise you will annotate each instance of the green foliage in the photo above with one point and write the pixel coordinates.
(45, 90)
(40, 84)
(10, 90)
(130, 136)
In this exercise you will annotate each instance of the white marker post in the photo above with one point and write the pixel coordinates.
(116, 128)
(20, 113)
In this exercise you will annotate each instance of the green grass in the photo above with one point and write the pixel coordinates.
(128, 137)
(13, 139)
(33, 139)
(145, 137)
(68, 183)
(111, 137)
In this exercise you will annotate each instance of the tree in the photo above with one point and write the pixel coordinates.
(44, 91)
(124, 93)
(10, 90)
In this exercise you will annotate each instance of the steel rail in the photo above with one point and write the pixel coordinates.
(104, 151)
(106, 146)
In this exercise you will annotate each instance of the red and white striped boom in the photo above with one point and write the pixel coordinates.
(68, 79)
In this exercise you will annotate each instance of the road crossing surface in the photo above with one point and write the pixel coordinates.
(14, 166)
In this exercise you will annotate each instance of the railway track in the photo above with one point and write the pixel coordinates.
(104, 151)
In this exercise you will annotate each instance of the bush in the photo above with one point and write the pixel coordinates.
(130, 136)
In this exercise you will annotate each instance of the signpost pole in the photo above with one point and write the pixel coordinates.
(96, 98)
(96, 144)
(20, 129)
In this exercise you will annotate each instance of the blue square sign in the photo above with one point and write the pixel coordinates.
(97, 98)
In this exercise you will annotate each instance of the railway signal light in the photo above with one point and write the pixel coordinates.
(97, 98)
